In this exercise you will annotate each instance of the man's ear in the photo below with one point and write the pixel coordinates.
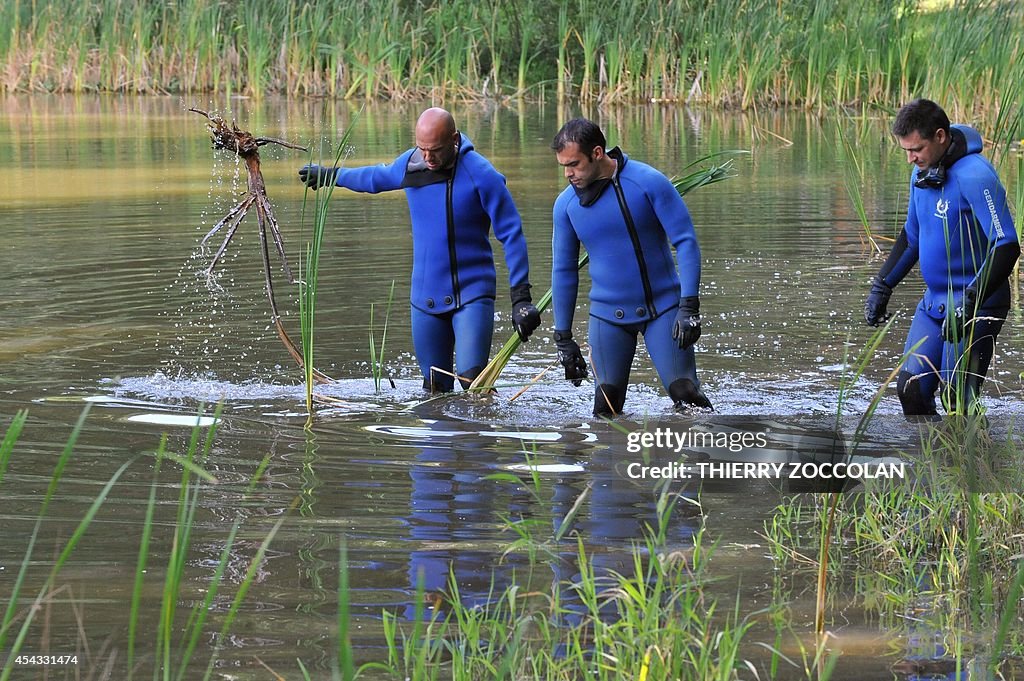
(941, 136)
(597, 154)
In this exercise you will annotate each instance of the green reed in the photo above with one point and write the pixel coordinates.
(650, 620)
(309, 278)
(11, 436)
(176, 641)
(377, 353)
(947, 540)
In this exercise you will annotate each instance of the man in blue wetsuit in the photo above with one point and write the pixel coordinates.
(960, 230)
(625, 213)
(455, 197)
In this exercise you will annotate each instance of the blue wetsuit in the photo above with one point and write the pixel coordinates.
(453, 277)
(961, 232)
(627, 225)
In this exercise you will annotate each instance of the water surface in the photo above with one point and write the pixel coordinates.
(104, 202)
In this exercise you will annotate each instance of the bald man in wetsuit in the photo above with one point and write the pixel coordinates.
(455, 198)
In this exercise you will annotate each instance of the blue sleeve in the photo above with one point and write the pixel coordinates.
(675, 218)
(505, 220)
(565, 273)
(374, 179)
(988, 201)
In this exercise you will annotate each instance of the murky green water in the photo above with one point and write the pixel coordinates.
(103, 203)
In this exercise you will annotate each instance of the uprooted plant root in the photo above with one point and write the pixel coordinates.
(246, 146)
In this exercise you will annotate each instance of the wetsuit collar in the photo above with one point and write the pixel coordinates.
(592, 192)
(935, 177)
(417, 174)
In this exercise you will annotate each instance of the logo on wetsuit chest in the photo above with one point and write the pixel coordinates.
(941, 208)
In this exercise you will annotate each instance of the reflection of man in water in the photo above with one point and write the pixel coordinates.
(455, 197)
(618, 518)
(960, 230)
(625, 213)
(453, 510)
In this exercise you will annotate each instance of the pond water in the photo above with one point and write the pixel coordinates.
(104, 201)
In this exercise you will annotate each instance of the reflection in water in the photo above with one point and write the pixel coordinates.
(451, 505)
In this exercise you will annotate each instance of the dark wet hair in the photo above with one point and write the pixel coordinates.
(922, 115)
(581, 131)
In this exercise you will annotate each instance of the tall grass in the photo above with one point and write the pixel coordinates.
(309, 278)
(649, 619)
(818, 54)
(377, 353)
(946, 540)
(177, 635)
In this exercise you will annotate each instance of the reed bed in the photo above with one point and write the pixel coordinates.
(187, 628)
(816, 54)
(943, 549)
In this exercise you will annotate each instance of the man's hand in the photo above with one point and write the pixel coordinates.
(571, 358)
(956, 325)
(525, 317)
(314, 176)
(878, 300)
(686, 329)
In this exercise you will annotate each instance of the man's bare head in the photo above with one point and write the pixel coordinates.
(437, 138)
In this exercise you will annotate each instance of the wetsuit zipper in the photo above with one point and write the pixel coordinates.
(452, 258)
(637, 249)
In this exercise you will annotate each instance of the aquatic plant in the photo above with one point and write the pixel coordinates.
(177, 638)
(854, 178)
(651, 619)
(488, 378)
(308, 279)
(944, 545)
(377, 354)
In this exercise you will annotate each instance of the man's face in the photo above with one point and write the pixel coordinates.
(579, 168)
(922, 152)
(437, 146)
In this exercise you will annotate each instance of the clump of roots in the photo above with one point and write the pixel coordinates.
(246, 146)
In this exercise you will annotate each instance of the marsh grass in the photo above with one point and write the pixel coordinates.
(732, 53)
(309, 278)
(854, 179)
(943, 548)
(177, 635)
(377, 353)
(652, 619)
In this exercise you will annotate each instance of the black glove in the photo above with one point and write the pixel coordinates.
(878, 299)
(686, 329)
(954, 326)
(525, 317)
(570, 356)
(314, 176)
